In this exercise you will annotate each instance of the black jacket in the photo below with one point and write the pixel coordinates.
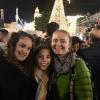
(92, 56)
(14, 84)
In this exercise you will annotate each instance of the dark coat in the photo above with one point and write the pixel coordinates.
(92, 56)
(14, 84)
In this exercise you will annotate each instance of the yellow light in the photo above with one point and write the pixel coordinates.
(72, 24)
(69, 1)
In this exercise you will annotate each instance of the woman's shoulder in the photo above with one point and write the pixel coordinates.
(80, 65)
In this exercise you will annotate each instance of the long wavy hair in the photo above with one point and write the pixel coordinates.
(11, 46)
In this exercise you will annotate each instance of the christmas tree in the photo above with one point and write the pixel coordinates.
(58, 14)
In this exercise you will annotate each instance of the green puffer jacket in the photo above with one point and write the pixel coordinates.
(82, 83)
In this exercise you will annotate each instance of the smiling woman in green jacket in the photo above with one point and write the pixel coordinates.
(71, 78)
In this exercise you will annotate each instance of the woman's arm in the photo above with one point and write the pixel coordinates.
(83, 86)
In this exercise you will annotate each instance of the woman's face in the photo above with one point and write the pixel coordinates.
(23, 47)
(60, 43)
(43, 59)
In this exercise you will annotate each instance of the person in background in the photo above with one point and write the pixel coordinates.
(42, 67)
(3, 37)
(75, 43)
(16, 68)
(83, 45)
(71, 77)
(50, 28)
(92, 56)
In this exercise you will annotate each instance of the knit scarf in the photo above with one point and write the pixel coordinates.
(41, 90)
(63, 66)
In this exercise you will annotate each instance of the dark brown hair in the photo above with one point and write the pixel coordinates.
(11, 45)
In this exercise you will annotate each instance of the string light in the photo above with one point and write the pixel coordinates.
(69, 1)
(58, 14)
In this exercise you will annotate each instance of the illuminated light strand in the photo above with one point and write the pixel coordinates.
(69, 1)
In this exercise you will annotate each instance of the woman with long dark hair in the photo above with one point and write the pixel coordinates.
(42, 70)
(16, 68)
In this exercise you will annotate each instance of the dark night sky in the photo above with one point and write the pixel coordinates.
(26, 7)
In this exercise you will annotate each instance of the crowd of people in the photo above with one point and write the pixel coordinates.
(56, 67)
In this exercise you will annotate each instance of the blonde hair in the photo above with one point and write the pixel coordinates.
(67, 34)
